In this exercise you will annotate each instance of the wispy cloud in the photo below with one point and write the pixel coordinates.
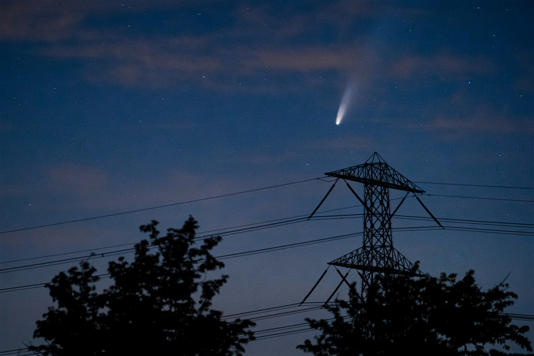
(144, 62)
(440, 64)
(480, 123)
(222, 58)
(75, 179)
(56, 20)
(45, 20)
(308, 58)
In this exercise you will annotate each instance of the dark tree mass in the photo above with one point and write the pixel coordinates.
(405, 315)
(157, 304)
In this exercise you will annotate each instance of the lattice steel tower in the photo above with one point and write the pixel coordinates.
(377, 254)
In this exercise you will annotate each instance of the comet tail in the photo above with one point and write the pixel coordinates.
(344, 105)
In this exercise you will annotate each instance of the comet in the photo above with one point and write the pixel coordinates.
(344, 105)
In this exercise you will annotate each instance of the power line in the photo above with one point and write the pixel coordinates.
(288, 246)
(285, 330)
(490, 231)
(310, 242)
(284, 333)
(35, 285)
(320, 305)
(469, 221)
(261, 310)
(167, 205)
(292, 221)
(19, 352)
(519, 316)
(227, 256)
(225, 233)
(280, 222)
(235, 254)
(281, 327)
(249, 252)
(286, 313)
(478, 198)
(66, 253)
(476, 185)
(270, 309)
(290, 330)
(277, 311)
(12, 351)
(298, 328)
(253, 190)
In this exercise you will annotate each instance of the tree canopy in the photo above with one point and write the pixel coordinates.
(405, 314)
(159, 303)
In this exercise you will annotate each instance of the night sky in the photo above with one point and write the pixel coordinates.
(108, 106)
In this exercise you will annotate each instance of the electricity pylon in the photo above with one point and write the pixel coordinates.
(377, 254)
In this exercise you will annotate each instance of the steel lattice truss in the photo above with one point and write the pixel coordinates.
(377, 255)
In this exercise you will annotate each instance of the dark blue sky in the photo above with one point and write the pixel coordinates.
(110, 105)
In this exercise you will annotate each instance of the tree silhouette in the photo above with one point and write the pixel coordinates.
(157, 304)
(420, 315)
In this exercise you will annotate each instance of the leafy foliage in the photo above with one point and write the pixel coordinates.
(420, 315)
(159, 303)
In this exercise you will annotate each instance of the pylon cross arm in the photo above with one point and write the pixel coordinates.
(377, 173)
